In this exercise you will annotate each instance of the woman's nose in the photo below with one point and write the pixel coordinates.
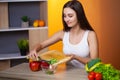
(66, 19)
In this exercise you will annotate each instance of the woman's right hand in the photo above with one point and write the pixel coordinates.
(33, 55)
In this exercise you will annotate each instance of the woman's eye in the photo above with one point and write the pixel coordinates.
(70, 15)
(67, 16)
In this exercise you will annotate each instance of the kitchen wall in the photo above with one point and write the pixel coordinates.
(110, 40)
(55, 20)
(104, 17)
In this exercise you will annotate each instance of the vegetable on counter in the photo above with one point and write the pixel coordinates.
(91, 65)
(107, 70)
(94, 76)
(44, 65)
(34, 65)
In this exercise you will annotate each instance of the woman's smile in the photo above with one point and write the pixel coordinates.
(70, 17)
(69, 23)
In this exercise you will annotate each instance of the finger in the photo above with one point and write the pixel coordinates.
(36, 56)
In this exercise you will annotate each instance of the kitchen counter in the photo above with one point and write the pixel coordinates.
(22, 72)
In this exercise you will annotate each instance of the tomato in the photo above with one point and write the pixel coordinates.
(35, 65)
(92, 73)
(91, 77)
(94, 76)
(98, 76)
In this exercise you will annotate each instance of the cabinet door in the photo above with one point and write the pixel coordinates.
(3, 15)
(36, 36)
(4, 64)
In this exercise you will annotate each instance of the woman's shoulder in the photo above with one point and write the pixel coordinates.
(91, 34)
(60, 33)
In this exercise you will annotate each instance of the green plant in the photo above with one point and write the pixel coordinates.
(25, 18)
(23, 44)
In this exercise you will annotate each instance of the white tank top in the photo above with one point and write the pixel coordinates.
(80, 49)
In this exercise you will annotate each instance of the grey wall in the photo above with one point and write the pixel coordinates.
(17, 10)
(8, 41)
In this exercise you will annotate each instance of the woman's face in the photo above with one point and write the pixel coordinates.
(70, 17)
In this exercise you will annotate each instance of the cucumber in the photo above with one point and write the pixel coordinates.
(91, 65)
(93, 62)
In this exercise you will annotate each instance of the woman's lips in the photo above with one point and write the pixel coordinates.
(68, 23)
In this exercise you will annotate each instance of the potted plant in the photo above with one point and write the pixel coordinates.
(25, 21)
(23, 46)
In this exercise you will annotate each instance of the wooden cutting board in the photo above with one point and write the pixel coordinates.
(53, 54)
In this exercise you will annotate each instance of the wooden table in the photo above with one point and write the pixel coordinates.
(22, 72)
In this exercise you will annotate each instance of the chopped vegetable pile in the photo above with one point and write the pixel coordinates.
(52, 61)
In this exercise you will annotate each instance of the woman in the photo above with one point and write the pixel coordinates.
(78, 37)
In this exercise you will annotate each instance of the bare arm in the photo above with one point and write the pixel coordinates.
(93, 45)
(53, 39)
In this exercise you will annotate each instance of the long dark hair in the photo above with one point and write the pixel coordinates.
(78, 8)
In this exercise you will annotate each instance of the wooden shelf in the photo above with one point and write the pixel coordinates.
(20, 0)
(8, 56)
(21, 29)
